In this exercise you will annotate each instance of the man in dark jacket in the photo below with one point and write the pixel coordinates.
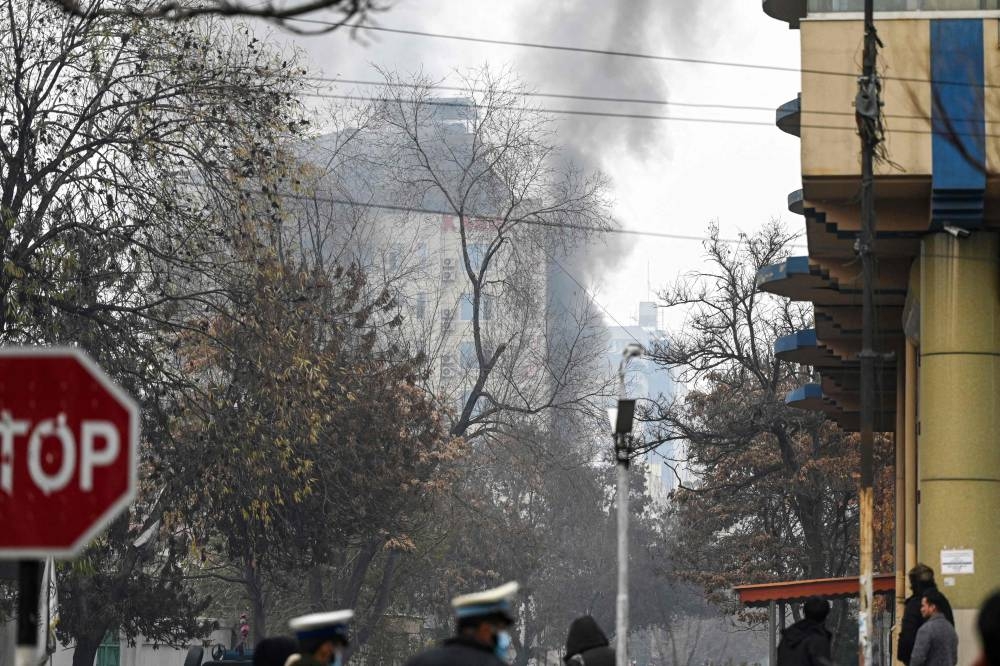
(586, 644)
(807, 642)
(481, 639)
(921, 580)
(988, 625)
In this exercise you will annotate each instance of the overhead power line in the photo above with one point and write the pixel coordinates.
(629, 54)
(533, 222)
(648, 116)
(596, 98)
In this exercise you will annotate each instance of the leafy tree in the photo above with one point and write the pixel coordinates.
(105, 123)
(314, 445)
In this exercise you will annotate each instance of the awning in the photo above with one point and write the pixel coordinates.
(760, 595)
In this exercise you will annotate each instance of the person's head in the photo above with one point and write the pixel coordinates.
(323, 636)
(816, 609)
(486, 616)
(584, 634)
(921, 576)
(930, 602)
(988, 625)
(484, 629)
(274, 651)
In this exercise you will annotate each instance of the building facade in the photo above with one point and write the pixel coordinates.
(937, 254)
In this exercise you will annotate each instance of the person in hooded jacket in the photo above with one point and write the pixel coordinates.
(586, 644)
(921, 581)
(807, 642)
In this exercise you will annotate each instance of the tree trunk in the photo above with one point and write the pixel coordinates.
(379, 606)
(258, 604)
(315, 590)
(85, 650)
(358, 573)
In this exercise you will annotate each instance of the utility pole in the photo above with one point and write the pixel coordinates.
(868, 113)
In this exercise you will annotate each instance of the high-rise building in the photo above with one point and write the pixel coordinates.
(937, 252)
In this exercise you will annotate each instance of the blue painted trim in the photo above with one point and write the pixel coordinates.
(958, 121)
(783, 270)
(804, 392)
(797, 340)
(483, 609)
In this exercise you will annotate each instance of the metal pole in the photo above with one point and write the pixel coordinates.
(621, 628)
(868, 123)
(621, 605)
(29, 588)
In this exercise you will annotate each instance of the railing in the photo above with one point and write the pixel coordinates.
(823, 6)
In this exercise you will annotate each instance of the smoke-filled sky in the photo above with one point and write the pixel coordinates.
(667, 176)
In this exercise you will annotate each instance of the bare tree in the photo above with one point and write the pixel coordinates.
(277, 11)
(488, 170)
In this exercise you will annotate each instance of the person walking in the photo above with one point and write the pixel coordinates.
(807, 642)
(587, 645)
(921, 580)
(937, 642)
(482, 638)
(322, 638)
(988, 625)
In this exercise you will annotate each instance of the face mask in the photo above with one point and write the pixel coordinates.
(503, 644)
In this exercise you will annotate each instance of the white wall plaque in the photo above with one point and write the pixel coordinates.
(958, 562)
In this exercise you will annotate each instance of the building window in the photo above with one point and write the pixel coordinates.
(485, 307)
(420, 307)
(467, 354)
(477, 251)
(109, 652)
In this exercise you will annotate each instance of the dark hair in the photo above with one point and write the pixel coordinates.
(274, 651)
(921, 576)
(471, 623)
(988, 624)
(934, 596)
(816, 609)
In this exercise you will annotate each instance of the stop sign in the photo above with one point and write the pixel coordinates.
(68, 451)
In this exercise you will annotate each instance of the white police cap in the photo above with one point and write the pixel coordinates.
(332, 625)
(488, 602)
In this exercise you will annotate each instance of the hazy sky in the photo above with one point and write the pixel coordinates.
(667, 176)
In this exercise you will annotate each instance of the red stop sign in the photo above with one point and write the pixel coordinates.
(68, 451)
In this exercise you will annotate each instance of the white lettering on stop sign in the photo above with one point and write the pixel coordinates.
(90, 456)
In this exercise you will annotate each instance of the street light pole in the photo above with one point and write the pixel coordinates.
(623, 449)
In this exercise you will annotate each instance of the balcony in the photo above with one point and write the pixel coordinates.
(789, 11)
(788, 117)
(796, 202)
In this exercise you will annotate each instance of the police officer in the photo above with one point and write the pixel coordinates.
(322, 638)
(482, 637)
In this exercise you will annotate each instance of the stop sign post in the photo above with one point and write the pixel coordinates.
(68, 461)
